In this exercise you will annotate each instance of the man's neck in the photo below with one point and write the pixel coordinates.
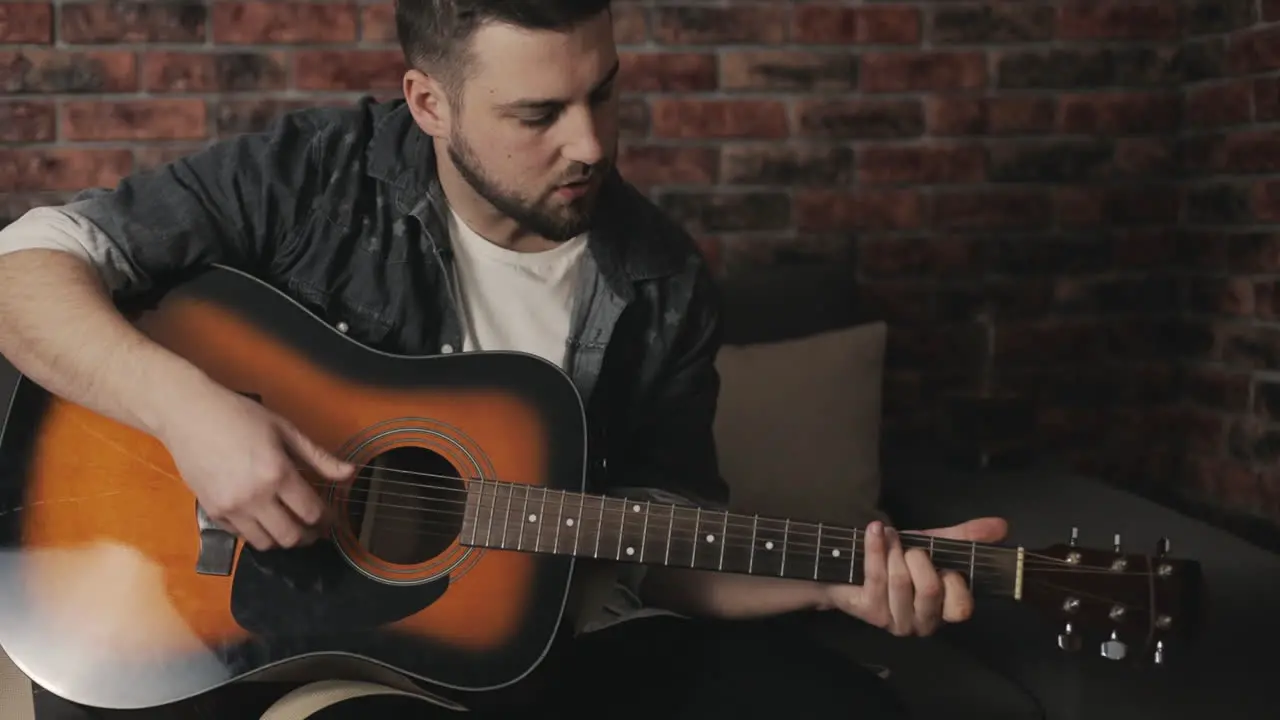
(483, 218)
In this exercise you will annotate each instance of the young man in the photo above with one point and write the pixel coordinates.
(481, 212)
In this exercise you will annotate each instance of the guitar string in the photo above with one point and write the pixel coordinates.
(684, 535)
(798, 528)
(972, 546)
(125, 451)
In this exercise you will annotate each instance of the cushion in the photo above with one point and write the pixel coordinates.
(798, 425)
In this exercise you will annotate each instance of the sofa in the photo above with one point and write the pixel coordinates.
(800, 435)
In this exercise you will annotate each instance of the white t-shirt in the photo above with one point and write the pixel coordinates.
(518, 301)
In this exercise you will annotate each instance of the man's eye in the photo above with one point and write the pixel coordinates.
(542, 120)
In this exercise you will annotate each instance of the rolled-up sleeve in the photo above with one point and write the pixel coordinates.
(228, 204)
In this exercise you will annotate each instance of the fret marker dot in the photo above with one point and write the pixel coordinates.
(711, 538)
(635, 508)
(835, 553)
(631, 551)
(569, 522)
(768, 545)
(532, 517)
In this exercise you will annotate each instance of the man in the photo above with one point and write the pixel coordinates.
(481, 212)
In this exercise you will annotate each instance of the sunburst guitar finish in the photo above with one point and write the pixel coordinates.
(116, 591)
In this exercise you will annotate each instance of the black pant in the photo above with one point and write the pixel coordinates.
(663, 667)
(648, 668)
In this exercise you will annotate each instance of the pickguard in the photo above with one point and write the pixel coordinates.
(312, 590)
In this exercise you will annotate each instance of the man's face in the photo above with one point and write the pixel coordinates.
(538, 124)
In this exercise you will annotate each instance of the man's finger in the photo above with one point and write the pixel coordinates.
(901, 589)
(870, 598)
(928, 591)
(958, 606)
(985, 529)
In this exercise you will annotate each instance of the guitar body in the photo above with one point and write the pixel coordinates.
(112, 596)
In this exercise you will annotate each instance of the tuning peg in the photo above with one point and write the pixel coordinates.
(1114, 649)
(1075, 537)
(1068, 639)
(1162, 547)
(1158, 657)
(1117, 543)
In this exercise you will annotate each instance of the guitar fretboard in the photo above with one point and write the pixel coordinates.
(523, 518)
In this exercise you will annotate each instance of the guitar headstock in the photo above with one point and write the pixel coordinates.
(1128, 606)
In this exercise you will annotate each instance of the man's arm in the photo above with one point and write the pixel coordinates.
(60, 266)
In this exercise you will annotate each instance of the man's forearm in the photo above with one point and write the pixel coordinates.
(59, 328)
(728, 595)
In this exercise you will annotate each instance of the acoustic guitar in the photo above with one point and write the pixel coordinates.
(453, 549)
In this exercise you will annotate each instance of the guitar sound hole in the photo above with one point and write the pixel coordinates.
(406, 506)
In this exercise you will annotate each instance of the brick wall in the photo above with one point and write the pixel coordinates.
(1028, 160)
(1231, 154)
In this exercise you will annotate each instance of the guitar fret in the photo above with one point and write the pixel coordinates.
(644, 531)
(524, 511)
(853, 555)
(542, 511)
(577, 534)
(666, 557)
(559, 523)
(724, 537)
(817, 554)
(751, 559)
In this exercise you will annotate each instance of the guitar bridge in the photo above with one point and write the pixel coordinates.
(217, 546)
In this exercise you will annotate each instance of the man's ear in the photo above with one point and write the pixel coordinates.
(428, 103)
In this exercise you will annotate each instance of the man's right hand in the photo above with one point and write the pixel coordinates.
(247, 468)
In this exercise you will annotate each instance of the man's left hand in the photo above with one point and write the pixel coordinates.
(902, 592)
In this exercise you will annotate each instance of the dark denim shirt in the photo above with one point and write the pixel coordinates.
(342, 210)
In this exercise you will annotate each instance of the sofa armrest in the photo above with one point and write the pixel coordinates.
(1228, 670)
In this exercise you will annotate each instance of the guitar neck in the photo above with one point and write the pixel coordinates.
(523, 518)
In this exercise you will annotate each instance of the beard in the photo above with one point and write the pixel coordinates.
(538, 216)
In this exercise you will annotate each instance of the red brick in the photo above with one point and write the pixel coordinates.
(718, 212)
(906, 72)
(354, 70)
(860, 119)
(53, 71)
(234, 117)
(1246, 152)
(991, 209)
(291, 22)
(679, 118)
(992, 22)
(1266, 99)
(704, 25)
(771, 163)
(788, 70)
(634, 118)
(378, 22)
(26, 23)
(1219, 104)
(61, 169)
(1119, 20)
(1118, 113)
(135, 120)
(648, 165)
(951, 115)
(831, 24)
(27, 122)
(1254, 51)
(921, 164)
(212, 72)
(1265, 201)
(885, 257)
(1144, 158)
(134, 22)
(1271, 10)
(834, 211)
(1217, 388)
(666, 72)
(630, 24)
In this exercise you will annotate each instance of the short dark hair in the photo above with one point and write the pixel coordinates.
(435, 35)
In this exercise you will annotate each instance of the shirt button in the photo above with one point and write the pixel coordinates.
(342, 327)
(446, 348)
